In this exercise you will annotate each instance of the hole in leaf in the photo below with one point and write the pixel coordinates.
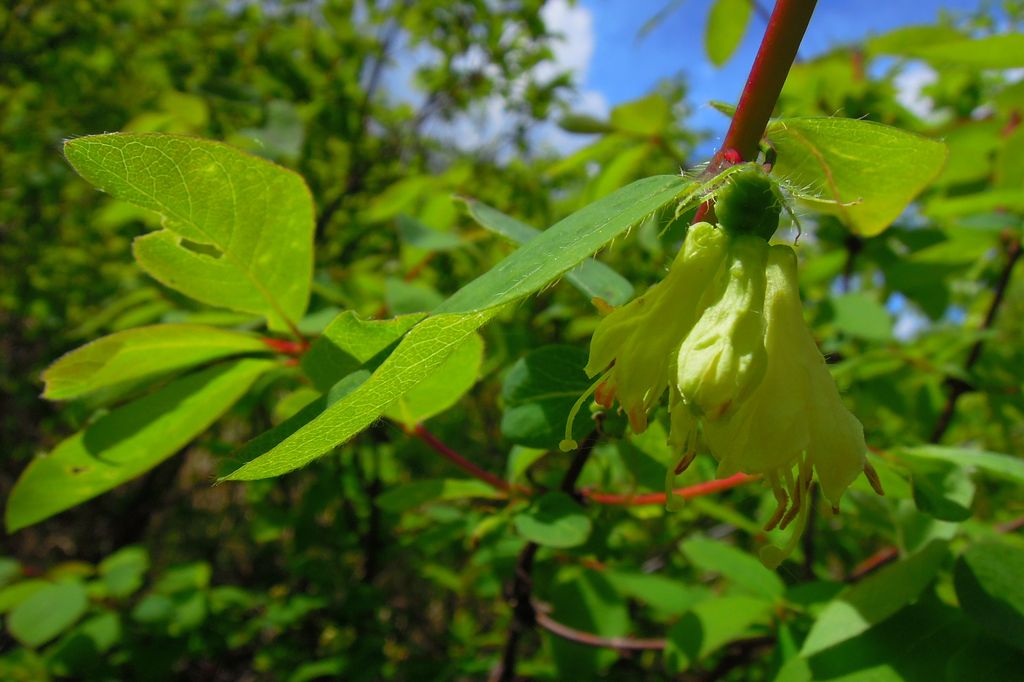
(201, 249)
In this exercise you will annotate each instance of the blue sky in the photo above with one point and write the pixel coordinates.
(621, 67)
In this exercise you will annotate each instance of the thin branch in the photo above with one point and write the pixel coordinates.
(451, 455)
(589, 639)
(957, 387)
(689, 492)
(524, 616)
(597, 497)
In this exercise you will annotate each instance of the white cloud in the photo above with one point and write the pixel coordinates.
(572, 51)
(909, 85)
(575, 48)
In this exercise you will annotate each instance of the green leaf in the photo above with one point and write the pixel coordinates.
(1003, 51)
(141, 353)
(1002, 466)
(420, 353)
(47, 613)
(184, 578)
(405, 298)
(625, 165)
(416, 234)
(408, 496)
(665, 596)
(984, 658)
(988, 584)
(709, 626)
(942, 490)
(861, 316)
(425, 348)
(349, 342)
(12, 595)
(983, 202)
(268, 439)
(874, 171)
(10, 570)
(554, 520)
(124, 570)
(744, 570)
(913, 646)
(726, 25)
(585, 600)
(583, 124)
(875, 598)
(644, 117)
(444, 387)
(592, 277)
(539, 391)
(78, 652)
(128, 441)
(906, 37)
(559, 248)
(238, 230)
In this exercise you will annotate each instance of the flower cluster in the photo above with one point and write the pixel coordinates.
(724, 335)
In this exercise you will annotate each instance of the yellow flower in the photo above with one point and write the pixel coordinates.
(794, 418)
(723, 357)
(724, 333)
(640, 339)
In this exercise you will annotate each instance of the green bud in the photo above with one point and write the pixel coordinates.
(749, 204)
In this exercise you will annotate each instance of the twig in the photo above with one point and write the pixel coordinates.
(524, 616)
(957, 387)
(451, 455)
(689, 492)
(589, 639)
(597, 497)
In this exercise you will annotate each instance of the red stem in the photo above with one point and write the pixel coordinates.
(430, 439)
(589, 639)
(786, 28)
(706, 488)
(286, 347)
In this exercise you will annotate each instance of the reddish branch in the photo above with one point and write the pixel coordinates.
(786, 28)
(286, 347)
(451, 455)
(781, 41)
(689, 492)
(580, 637)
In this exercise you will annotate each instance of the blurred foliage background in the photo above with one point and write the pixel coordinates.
(351, 568)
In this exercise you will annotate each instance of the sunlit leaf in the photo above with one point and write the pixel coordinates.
(873, 171)
(238, 229)
(143, 352)
(128, 441)
(726, 25)
(592, 277)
